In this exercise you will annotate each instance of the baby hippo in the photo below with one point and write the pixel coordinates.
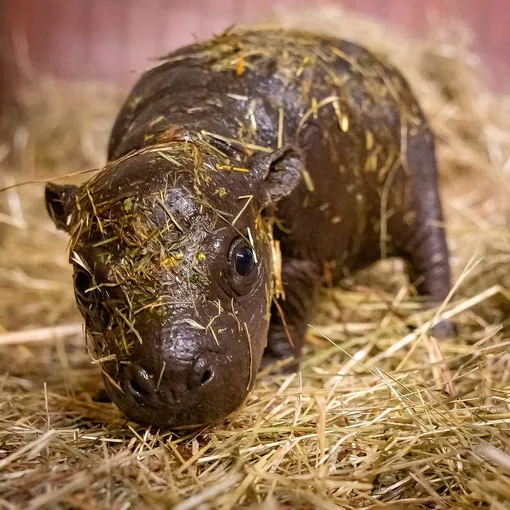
(242, 170)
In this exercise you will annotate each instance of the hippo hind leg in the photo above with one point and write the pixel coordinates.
(424, 248)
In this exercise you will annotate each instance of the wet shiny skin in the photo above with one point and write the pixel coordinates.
(304, 131)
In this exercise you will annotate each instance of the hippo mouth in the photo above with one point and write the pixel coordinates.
(139, 404)
(202, 391)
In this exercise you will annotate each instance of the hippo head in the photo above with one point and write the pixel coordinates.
(173, 273)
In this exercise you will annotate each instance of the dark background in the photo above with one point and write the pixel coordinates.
(108, 39)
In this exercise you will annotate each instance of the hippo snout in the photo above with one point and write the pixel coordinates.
(199, 391)
(144, 386)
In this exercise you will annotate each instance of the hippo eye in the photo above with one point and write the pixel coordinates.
(244, 261)
(243, 269)
(82, 284)
(89, 301)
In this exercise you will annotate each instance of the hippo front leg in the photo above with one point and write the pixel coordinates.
(290, 316)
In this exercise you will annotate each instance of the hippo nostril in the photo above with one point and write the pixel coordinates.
(201, 374)
(140, 383)
(206, 376)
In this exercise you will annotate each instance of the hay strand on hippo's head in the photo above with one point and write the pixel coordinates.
(174, 277)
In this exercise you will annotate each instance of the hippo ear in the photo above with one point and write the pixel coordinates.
(60, 201)
(283, 172)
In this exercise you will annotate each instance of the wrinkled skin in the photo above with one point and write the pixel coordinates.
(221, 142)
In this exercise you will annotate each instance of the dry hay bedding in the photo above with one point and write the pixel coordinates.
(377, 418)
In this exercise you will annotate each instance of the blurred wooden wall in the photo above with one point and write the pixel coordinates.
(108, 39)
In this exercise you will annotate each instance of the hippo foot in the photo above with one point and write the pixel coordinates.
(102, 397)
(276, 365)
(444, 329)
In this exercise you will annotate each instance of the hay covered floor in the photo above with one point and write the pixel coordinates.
(377, 418)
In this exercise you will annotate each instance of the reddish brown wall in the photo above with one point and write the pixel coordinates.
(107, 39)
